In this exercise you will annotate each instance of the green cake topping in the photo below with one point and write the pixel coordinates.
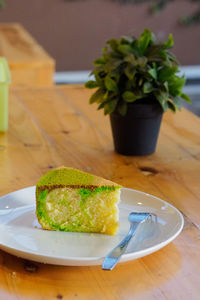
(72, 177)
(61, 177)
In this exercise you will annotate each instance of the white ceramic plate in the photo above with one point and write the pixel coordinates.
(21, 234)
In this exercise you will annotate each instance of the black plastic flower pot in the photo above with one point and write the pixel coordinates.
(137, 132)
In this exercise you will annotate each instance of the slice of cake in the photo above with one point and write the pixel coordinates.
(72, 200)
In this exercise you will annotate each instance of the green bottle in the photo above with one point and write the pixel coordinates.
(4, 82)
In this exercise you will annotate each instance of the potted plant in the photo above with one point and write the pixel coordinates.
(136, 81)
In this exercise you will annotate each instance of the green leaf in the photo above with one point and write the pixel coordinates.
(166, 73)
(154, 65)
(110, 106)
(135, 48)
(113, 44)
(147, 87)
(176, 84)
(153, 38)
(163, 55)
(127, 39)
(153, 73)
(166, 86)
(129, 85)
(96, 96)
(99, 61)
(130, 58)
(169, 43)
(122, 108)
(98, 79)
(142, 61)
(125, 49)
(130, 71)
(177, 102)
(105, 49)
(172, 57)
(171, 106)
(129, 96)
(162, 98)
(115, 63)
(153, 52)
(105, 96)
(111, 85)
(140, 82)
(101, 106)
(185, 97)
(144, 40)
(91, 84)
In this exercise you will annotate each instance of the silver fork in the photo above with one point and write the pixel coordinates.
(114, 256)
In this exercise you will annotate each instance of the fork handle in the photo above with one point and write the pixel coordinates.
(113, 257)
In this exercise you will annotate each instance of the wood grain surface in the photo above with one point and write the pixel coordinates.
(29, 63)
(53, 126)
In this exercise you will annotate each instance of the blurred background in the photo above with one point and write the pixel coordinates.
(73, 32)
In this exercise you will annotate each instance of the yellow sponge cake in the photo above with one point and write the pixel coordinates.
(72, 200)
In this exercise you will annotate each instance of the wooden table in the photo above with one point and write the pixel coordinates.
(29, 63)
(55, 126)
